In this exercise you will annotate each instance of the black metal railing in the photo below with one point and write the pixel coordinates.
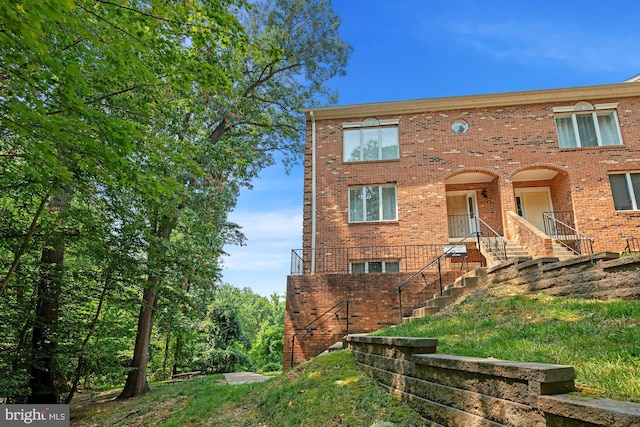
(338, 259)
(572, 239)
(309, 328)
(461, 225)
(565, 217)
(492, 240)
(633, 246)
(435, 263)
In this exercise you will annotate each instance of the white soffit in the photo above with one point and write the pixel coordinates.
(534, 175)
(469, 178)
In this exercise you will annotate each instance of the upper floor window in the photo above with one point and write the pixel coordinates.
(372, 203)
(626, 191)
(370, 140)
(586, 125)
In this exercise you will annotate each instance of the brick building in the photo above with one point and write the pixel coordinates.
(389, 187)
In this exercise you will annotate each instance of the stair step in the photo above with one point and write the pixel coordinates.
(450, 291)
(424, 312)
(336, 346)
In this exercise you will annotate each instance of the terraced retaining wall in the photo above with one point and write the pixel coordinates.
(462, 391)
(599, 276)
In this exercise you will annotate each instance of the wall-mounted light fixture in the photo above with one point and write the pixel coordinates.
(484, 193)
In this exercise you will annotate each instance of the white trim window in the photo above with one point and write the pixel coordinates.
(372, 203)
(370, 140)
(625, 188)
(586, 125)
(360, 267)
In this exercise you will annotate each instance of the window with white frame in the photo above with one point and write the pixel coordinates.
(370, 140)
(586, 125)
(372, 203)
(374, 267)
(626, 190)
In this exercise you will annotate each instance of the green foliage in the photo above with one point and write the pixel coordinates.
(327, 390)
(267, 349)
(601, 339)
(145, 116)
(240, 331)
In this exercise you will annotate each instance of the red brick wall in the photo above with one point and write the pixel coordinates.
(500, 141)
(374, 304)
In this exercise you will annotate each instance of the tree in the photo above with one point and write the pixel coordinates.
(140, 122)
(81, 83)
(292, 50)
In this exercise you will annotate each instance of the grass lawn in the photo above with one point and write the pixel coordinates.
(600, 339)
(326, 391)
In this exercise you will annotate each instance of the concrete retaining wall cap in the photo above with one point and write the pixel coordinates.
(539, 372)
(394, 341)
(603, 412)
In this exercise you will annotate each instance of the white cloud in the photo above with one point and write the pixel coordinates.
(270, 238)
(561, 43)
(274, 225)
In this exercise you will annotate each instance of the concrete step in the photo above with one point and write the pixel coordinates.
(439, 301)
(562, 253)
(451, 291)
(466, 282)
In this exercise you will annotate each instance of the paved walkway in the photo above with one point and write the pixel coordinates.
(244, 377)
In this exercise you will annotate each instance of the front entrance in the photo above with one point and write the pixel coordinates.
(462, 213)
(532, 202)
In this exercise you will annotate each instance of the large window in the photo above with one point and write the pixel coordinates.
(370, 140)
(626, 191)
(372, 203)
(374, 267)
(587, 127)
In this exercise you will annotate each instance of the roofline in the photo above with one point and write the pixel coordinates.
(616, 90)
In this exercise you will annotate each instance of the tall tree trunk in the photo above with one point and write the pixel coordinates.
(166, 355)
(44, 340)
(136, 384)
(177, 351)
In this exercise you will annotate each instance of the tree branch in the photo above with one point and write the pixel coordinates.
(112, 25)
(25, 243)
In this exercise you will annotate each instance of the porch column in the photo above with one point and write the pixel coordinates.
(508, 202)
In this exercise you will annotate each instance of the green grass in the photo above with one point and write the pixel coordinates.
(326, 391)
(600, 339)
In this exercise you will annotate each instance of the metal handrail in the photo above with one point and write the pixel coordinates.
(633, 246)
(562, 233)
(297, 264)
(337, 259)
(308, 330)
(495, 242)
(436, 261)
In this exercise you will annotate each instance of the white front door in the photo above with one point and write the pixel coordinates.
(462, 211)
(532, 202)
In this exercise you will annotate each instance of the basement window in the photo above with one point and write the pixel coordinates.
(361, 267)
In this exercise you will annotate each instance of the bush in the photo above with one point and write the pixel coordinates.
(271, 367)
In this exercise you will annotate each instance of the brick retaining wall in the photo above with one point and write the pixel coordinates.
(459, 391)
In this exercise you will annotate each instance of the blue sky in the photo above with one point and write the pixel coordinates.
(411, 49)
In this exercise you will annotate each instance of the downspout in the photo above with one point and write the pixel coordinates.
(313, 192)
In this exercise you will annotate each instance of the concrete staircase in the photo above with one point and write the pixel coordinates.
(462, 286)
(561, 252)
(514, 250)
